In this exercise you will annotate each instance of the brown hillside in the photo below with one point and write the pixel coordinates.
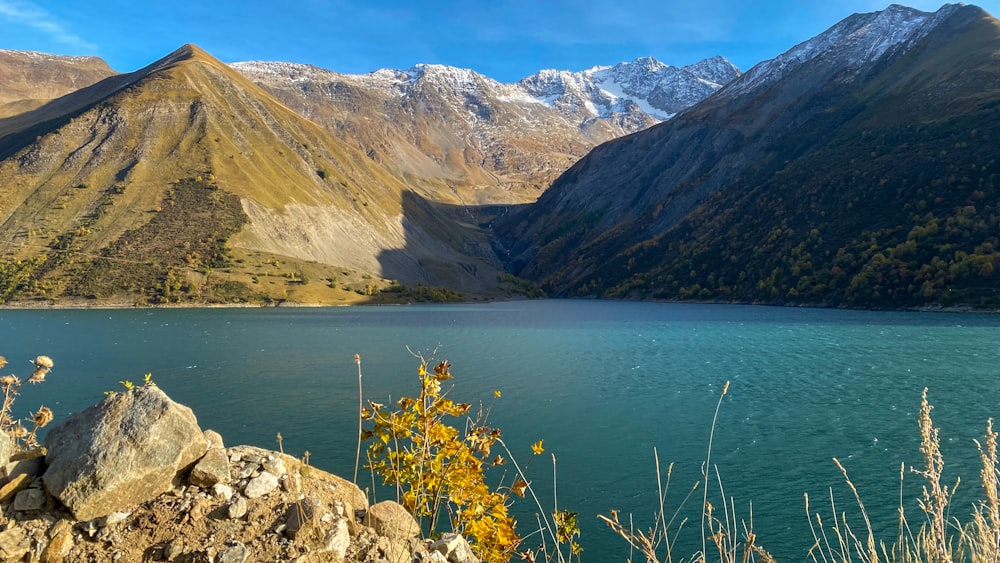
(29, 79)
(84, 177)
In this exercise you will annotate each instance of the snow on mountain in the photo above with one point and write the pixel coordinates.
(505, 142)
(645, 85)
(657, 89)
(850, 44)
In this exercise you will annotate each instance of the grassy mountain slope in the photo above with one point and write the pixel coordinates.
(30, 79)
(185, 181)
(879, 191)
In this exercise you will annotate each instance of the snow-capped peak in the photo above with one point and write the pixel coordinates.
(659, 90)
(638, 92)
(851, 43)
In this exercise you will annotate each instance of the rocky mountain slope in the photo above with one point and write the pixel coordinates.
(857, 169)
(30, 79)
(185, 181)
(479, 141)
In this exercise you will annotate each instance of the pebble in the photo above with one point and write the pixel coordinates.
(224, 492)
(238, 508)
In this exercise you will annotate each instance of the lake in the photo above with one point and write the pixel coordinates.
(603, 383)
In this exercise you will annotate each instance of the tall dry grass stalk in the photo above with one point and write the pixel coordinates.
(984, 531)
(941, 538)
(361, 406)
(706, 469)
(733, 539)
(935, 497)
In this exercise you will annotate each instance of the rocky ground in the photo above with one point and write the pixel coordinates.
(82, 501)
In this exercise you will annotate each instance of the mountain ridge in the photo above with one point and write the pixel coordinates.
(672, 211)
(484, 141)
(156, 182)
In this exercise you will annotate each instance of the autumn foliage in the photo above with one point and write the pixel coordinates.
(439, 470)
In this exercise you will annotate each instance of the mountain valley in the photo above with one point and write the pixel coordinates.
(857, 169)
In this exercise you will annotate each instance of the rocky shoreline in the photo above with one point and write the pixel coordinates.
(134, 478)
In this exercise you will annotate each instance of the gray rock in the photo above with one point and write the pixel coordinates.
(391, 520)
(125, 450)
(29, 499)
(306, 512)
(237, 553)
(113, 518)
(338, 539)
(261, 485)
(237, 509)
(274, 465)
(454, 548)
(211, 469)
(224, 492)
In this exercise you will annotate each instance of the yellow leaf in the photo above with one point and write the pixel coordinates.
(537, 448)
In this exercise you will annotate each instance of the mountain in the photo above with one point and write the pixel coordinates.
(184, 181)
(30, 79)
(478, 141)
(858, 169)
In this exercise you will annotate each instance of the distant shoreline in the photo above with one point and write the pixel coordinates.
(110, 304)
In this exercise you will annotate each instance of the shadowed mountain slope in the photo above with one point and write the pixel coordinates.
(857, 169)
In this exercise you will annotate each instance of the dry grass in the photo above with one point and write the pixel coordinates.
(731, 537)
(940, 538)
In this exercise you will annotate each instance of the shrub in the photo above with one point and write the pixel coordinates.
(439, 471)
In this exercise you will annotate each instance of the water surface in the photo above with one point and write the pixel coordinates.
(603, 383)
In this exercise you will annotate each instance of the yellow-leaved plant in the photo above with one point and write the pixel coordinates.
(439, 470)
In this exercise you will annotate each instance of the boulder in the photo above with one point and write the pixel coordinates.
(127, 449)
(391, 520)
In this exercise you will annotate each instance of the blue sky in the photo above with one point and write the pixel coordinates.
(504, 39)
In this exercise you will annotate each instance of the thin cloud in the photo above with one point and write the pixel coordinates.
(32, 16)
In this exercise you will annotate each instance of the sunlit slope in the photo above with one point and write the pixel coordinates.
(84, 177)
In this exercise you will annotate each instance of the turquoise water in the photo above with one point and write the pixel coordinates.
(603, 383)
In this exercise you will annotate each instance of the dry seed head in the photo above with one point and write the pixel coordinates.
(3, 361)
(38, 376)
(44, 362)
(9, 380)
(42, 417)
